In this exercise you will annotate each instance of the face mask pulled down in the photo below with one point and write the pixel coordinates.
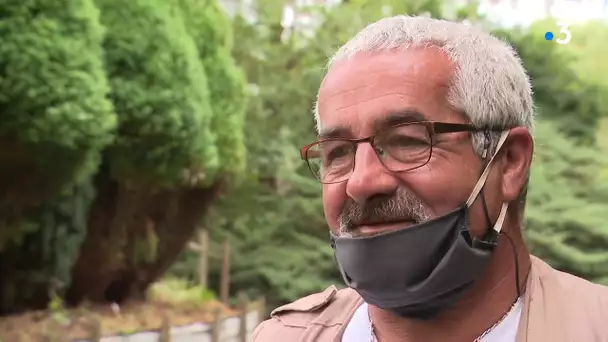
(420, 270)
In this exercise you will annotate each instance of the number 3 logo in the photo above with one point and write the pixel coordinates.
(566, 32)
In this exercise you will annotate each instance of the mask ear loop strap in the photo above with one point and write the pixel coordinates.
(492, 242)
(482, 181)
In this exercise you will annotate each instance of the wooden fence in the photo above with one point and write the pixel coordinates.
(231, 328)
(203, 250)
(224, 328)
(223, 323)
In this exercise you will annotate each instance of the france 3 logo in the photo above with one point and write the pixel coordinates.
(567, 35)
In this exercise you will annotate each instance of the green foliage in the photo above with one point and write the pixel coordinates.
(567, 210)
(228, 96)
(602, 139)
(178, 291)
(47, 250)
(561, 94)
(54, 121)
(207, 23)
(590, 64)
(589, 53)
(212, 34)
(283, 235)
(160, 92)
(134, 95)
(54, 115)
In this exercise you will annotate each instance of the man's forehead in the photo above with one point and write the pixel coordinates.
(388, 86)
(388, 68)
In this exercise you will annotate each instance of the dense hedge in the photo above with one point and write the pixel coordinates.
(55, 119)
(228, 84)
(559, 90)
(39, 263)
(114, 132)
(160, 92)
(54, 114)
(213, 36)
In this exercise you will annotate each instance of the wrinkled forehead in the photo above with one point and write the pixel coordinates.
(369, 92)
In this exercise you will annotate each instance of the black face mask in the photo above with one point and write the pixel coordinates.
(421, 270)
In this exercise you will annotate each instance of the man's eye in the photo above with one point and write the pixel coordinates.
(406, 141)
(338, 152)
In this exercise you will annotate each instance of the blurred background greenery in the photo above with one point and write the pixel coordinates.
(120, 138)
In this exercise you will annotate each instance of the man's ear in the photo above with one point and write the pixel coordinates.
(518, 152)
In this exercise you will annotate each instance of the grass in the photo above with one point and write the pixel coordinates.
(172, 298)
(178, 291)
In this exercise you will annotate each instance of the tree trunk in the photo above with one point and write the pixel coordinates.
(109, 267)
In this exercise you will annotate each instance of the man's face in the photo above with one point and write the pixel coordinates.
(360, 96)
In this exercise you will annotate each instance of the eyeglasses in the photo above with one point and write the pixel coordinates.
(400, 148)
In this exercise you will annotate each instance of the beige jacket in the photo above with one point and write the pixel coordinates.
(558, 307)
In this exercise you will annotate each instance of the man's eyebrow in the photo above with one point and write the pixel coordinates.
(398, 117)
(334, 132)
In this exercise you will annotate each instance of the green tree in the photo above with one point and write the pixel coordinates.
(160, 92)
(587, 49)
(589, 62)
(559, 89)
(568, 205)
(162, 172)
(54, 115)
(212, 33)
(149, 148)
(54, 121)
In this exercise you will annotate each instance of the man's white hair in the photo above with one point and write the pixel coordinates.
(489, 84)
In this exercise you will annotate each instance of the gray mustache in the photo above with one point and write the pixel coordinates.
(401, 206)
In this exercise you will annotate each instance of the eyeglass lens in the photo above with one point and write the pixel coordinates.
(400, 148)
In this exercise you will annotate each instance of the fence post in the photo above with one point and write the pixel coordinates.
(225, 273)
(165, 330)
(243, 313)
(95, 330)
(216, 327)
(203, 258)
(201, 247)
(261, 309)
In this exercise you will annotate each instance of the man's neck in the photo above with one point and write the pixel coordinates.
(486, 303)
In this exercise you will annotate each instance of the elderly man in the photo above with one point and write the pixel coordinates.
(424, 153)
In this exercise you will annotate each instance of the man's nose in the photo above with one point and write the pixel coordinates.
(369, 177)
